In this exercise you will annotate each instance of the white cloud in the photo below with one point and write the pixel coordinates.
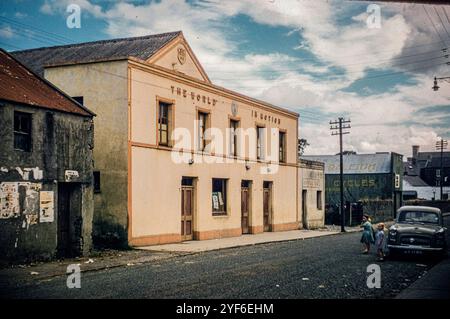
(46, 8)
(380, 121)
(20, 15)
(6, 32)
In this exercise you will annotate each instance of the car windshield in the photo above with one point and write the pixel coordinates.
(418, 217)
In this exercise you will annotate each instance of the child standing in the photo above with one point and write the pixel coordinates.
(379, 242)
(367, 236)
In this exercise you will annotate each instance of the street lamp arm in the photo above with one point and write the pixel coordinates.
(435, 87)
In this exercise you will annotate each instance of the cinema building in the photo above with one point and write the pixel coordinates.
(158, 177)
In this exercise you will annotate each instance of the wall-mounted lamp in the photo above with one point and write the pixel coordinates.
(247, 166)
(191, 161)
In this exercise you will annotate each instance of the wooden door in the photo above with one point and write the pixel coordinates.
(304, 209)
(187, 212)
(245, 202)
(63, 235)
(267, 208)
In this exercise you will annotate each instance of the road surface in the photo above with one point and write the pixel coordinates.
(324, 267)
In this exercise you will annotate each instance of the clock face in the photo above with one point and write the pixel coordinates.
(181, 55)
(234, 108)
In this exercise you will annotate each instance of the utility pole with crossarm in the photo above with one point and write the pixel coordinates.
(440, 146)
(337, 128)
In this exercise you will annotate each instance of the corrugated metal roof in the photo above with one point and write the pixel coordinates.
(355, 163)
(138, 47)
(18, 84)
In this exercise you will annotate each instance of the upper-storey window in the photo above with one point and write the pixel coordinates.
(260, 134)
(234, 125)
(282, 147)
(22, 131)
(202, 127)
(164, 123)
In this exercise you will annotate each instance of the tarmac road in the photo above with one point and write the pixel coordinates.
(323, 267)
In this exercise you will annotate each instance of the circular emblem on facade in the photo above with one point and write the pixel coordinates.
(234, 108)
(181, 55)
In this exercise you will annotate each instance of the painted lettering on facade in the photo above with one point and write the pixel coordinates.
(265, 117)
(207, 100)
(355, 167)
(312, 179)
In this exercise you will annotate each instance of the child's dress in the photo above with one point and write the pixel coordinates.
(379, 243)
(367, 236)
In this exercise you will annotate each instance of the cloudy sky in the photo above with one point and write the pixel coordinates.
(322, 59)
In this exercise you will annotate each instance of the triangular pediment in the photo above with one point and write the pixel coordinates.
(178, 56)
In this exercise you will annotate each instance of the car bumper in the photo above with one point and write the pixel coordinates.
(415, 247)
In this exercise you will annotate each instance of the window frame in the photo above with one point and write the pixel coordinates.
(260, 141)
(201, 138)
(282, 154)
(27, 134)
(319, 204)
(96, 181)
(170, 120)
(234, 138)
(224, 186)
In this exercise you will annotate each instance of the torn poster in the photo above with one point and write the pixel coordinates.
(31, 201)
(47, 212)
(9, 200)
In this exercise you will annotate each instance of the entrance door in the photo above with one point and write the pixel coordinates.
(304, 209)
(187, 204)
(245, 203)
(267, 205)
(64, 220)
(69, 223)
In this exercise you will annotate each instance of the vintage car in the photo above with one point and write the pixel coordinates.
(418, 229)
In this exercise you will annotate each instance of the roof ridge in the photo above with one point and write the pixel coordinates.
(47, 83)
(100, 41)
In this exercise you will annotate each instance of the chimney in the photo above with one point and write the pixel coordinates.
(415, 151)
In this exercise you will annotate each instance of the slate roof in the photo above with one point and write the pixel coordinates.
(138, 47)
(422, 156)
(18, 84)
(379, 163)
(436, 162)
(414, 180)
(410, 169)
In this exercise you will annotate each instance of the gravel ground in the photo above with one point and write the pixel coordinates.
(324, 267)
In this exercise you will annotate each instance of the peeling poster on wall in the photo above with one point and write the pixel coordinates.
(9, 200)
(30, 204)
(46, 213)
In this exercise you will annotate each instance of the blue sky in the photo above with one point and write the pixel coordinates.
(322, 59)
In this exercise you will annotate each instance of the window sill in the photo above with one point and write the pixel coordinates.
(220, 215)
(164, 147)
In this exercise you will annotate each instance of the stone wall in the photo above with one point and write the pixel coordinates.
(61, 152)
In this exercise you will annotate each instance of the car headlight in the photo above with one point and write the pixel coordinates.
(440, 234)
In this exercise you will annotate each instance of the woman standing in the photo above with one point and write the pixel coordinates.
(367, 235)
